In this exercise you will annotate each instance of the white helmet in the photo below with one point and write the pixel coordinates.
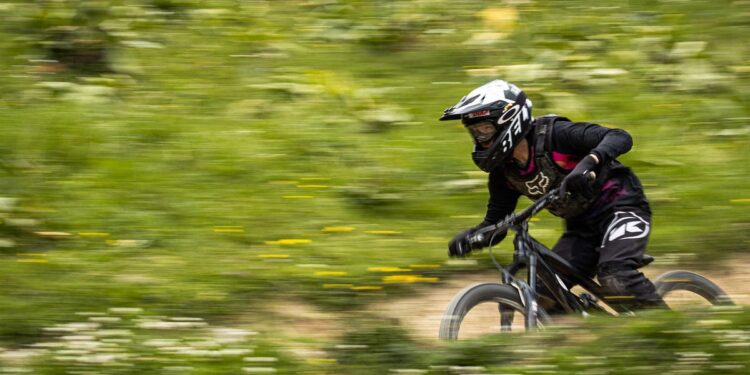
(498, 112)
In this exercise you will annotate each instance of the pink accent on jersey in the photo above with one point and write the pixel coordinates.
(531, 167)
(565, 161)
(609, 184)
(612, 190)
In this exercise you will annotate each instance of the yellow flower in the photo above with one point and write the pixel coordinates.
(367, 287)
(273, 256)
(409, 279)
(382, 232)
(502, 19)
(399, 279)
(337, 229)
(289, 241)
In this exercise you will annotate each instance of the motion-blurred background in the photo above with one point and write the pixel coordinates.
(224, 186)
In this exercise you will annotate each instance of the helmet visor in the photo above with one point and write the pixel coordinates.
(482, 131)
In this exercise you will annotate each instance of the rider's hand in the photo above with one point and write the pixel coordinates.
(460, 245)
(578, 182)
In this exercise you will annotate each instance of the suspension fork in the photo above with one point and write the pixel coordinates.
(528, 296)
(508, 275)
(523, 253)
(530, 293)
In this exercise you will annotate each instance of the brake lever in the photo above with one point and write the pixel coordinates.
(591, 176)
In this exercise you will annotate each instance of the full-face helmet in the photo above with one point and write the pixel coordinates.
(498, 116)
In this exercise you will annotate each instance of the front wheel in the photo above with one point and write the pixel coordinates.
(684, 290)
(464, 313)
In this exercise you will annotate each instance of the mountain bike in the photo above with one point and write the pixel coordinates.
(516, 295)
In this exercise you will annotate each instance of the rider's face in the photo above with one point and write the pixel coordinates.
(482, 133)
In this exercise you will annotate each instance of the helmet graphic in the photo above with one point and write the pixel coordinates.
(498, 116)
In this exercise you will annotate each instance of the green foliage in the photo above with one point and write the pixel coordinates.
(701, 342)
(127, 341)
(194, 155)
(377, 347)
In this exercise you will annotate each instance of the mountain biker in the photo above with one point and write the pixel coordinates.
(607, 221)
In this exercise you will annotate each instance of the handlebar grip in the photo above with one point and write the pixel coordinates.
(483, 236)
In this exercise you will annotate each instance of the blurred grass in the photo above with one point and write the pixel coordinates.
(217, 130)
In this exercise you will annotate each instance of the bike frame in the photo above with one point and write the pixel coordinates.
(546, 266)
(543, 265)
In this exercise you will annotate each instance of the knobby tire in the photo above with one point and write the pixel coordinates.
(673, 281)
(470, 297)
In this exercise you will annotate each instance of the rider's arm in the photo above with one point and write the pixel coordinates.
(502, 200)
(582, 138)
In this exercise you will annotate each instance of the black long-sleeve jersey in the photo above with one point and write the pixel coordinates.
(569, 143)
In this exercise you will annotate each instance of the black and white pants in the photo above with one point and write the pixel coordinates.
(617, 240)
(611, 247)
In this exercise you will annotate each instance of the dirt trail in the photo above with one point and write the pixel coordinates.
(422, 311)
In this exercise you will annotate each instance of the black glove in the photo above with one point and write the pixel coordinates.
(578, 181)
(460, 245)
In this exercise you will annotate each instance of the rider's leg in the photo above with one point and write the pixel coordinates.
(622, 247)
(628, 287)
(580, 251)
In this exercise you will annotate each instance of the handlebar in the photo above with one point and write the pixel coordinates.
(516, 218)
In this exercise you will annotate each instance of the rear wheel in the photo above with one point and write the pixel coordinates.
(483, 309)
(683, 290)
